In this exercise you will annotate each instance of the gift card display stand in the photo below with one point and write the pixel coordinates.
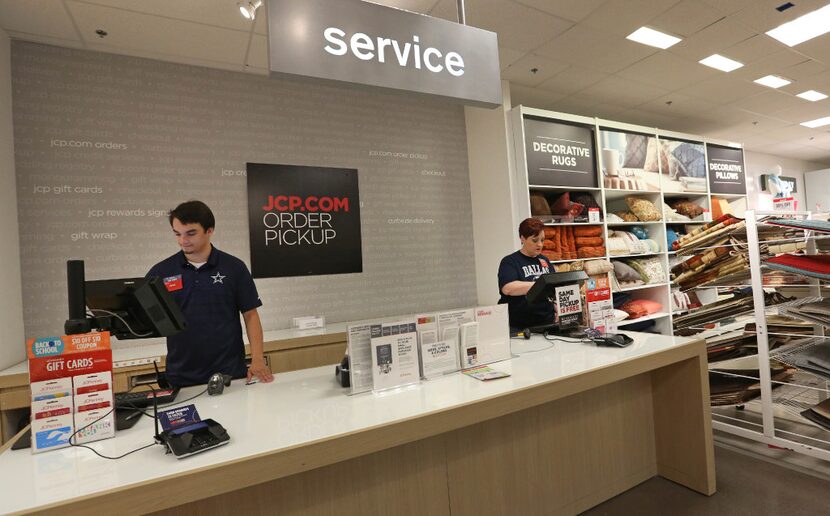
(71, 389)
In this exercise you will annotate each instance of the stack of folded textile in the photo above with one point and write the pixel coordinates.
(814, 266)
(709, 233)
(572, 242)
(726, 389)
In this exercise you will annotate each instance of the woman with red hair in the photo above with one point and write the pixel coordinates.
(518, 271)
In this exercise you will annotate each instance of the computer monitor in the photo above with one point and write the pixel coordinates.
(567, 306)
(543, 287)
(134, 308)
(129, 308)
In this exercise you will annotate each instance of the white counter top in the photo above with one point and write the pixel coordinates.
(297, 408)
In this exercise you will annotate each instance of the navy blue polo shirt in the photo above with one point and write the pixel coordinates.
(211, 299)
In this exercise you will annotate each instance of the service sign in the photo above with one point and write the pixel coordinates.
(727, 174)
(559, 154)
(365, 43)
(303, 220)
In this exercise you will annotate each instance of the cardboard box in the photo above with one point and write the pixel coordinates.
(94, 425)
(44, 409)
(51, 433)
(53, 388)
(94, 382)
(93, 401)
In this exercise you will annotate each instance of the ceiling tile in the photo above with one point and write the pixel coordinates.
(805, 71)
(416, 6)
(795, 134)
(622, 17)
(668, 71)
(573, 10)
(801, 112)
(51, 19)
(621, 92)
(446, 9)
(686, 18)
(578, 105)
(146, 33)
(218, 13)
(518, 26)
(721, 89)
(508, 56)
(648, 119)
(532, 97)
(771, 64)
(768, 101)
(817, 48)
(762, 16)
(729, 6)
(520, 72)
(590, 48)
(680, 106)
(572, 79)
(713, 40)
(755, 48)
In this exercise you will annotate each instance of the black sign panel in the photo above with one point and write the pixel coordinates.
(727, 174)
(303, 220)
(560, 154)
(366, 43)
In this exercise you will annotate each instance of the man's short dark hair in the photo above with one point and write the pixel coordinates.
(193, 212)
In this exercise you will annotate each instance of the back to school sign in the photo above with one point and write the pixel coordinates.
(303, 220)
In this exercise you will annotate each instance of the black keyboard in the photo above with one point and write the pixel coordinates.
(145, 398)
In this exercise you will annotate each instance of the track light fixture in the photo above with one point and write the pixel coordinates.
(248, 9)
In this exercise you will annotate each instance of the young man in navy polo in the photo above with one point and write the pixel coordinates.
(212, 288)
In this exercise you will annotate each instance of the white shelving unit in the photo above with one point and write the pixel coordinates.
(613, 199)
(775, 417)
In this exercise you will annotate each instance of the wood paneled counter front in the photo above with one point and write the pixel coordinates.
(571, 427)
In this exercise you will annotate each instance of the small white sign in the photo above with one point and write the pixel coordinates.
(593, 215)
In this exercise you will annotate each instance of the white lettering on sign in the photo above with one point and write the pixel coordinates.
(366, 48)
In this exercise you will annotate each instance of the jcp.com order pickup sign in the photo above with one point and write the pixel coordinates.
(303, 220)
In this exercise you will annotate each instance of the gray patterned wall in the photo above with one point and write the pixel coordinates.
(106, 144)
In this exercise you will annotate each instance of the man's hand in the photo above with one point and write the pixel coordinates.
(261, 371)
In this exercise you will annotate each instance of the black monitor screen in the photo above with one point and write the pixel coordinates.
(135, 307)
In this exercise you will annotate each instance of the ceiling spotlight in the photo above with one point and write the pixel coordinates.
(248, 9)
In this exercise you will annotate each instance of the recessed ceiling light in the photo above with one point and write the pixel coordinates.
(772, 81)
(652, 38)
(804, 28)
(721, 63)
(812, 95)
(818, 122)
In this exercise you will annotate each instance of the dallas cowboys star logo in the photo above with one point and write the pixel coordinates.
(217, 278)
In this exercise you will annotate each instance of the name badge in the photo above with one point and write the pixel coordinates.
(173, 283)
